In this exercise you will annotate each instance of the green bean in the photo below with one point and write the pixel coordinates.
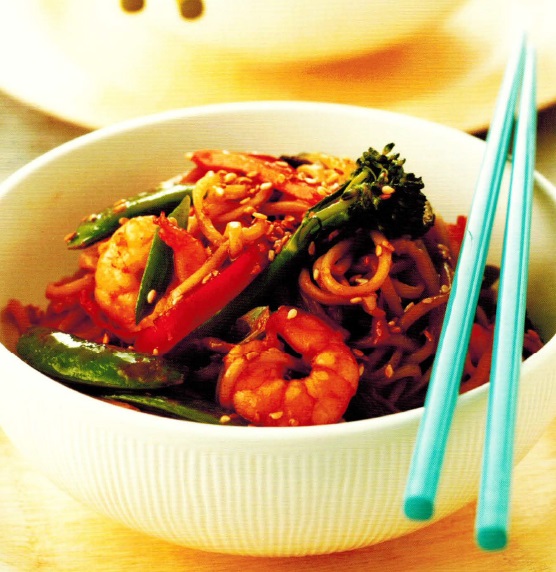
(100, 225)
(71, 359)
(191, 411)
(158, 271)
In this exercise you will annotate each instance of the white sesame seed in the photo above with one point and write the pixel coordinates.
(266, 186)
(151, 296)
(292, 314)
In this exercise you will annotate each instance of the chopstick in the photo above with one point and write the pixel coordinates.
(442, 393)
(491, 524)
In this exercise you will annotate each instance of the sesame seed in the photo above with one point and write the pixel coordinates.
(356, 300)
(389, 371)
(276, 415)
(271, 255)
(281, 163)
(292, 314)
(266, 186)
(155, 352)
(357, 352)
(322, 191)
(229, 177)
(312, 249)
(252, 174)
(151, 296)
(378, 250)
(388, 190)
(427, 300)
(206, 278)
(260, 216)
(105, 338)
(316, 274)
(219, 191)
(225, 419)
(361, 369)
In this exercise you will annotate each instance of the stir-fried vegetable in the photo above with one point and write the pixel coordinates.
(190, 312)
(100, 225)
(71, 359)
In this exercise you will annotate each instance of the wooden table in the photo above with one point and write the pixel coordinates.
(41, 528)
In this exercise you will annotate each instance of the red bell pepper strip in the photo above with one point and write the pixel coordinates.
(480, 342)
(176, 323)
(282, 176)
(456, 232)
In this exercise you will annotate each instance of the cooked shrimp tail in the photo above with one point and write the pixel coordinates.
(268, 386)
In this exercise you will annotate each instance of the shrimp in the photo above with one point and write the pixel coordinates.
(122, 261)
(253, 380)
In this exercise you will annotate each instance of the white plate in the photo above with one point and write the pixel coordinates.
(94, 70)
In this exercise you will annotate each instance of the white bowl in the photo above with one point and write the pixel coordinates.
(246, 490)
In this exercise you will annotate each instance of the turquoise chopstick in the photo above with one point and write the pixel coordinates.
(432, 436)
(492, 519)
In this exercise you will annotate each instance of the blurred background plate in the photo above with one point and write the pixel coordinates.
(92, 64)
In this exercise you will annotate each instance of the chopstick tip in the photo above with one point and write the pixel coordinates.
(492, 538)
(418, 508)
